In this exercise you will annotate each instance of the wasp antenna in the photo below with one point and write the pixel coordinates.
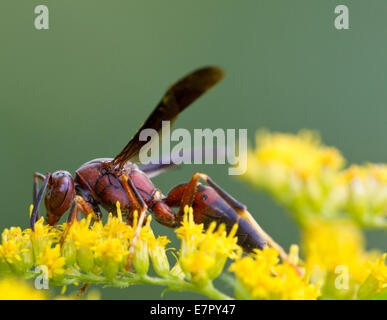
(35, 210)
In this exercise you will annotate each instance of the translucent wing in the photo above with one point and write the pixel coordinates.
(178, 97)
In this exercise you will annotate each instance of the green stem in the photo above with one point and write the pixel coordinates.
(213, 293)
(127, 279)
(180, 285)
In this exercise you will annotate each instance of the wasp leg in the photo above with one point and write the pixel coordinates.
(87, 208)
(83, 289)
(89, 204)
(241, 209)
(37, 199)
(79, 205)
(189, 193)
(70, 219)
(137, 203)
(41, 177)
(37, 176)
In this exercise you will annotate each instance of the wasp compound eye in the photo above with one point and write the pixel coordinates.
(60, 193)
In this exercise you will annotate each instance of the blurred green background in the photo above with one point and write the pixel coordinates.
(81, 89)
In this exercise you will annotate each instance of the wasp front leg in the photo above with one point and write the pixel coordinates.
(79, 205)
(82, 205)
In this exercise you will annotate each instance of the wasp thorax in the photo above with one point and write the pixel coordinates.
(60, 193)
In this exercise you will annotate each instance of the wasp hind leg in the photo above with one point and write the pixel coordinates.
(189, 196)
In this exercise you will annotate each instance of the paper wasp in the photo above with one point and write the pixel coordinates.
(103, 182)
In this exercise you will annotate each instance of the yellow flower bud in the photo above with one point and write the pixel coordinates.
(110, 269)
(85, 258)
(52, 259)
(69, 252)
(203, 254)
(140, 258)
(158, 256)
(111, 255)
(177, 271)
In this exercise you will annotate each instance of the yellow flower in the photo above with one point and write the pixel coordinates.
(10, 247)
(43, 236)
(141, 254)
(378, 271)
(12, 289)
(158, 255)
(298, 171)
(106, 245)
(366, 188)
(177, 271)
(15, 250)
(309, 179)
(111, 247)
(111, 254)
(302, 153)
(203, 254)
(115, 227)
(52, 259)
(377, 172)
(81, 234)
(84, 239)
(329, 245)
(261, 276)
(190, 233)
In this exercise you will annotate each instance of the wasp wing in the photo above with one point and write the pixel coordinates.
(169, 162)
(177, 98)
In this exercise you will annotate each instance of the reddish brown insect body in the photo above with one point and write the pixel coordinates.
(98, 183)
(95, 185)
(103, 182)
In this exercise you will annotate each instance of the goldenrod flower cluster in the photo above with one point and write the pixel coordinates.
(337, 259)
(378, 272)
(310, 180)
(204, 253)
(366, 193)
(21, 250)
(261, 276)
(104, 248)
(98, 253)
(331, 204)
(91, 248)
(328, 245)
